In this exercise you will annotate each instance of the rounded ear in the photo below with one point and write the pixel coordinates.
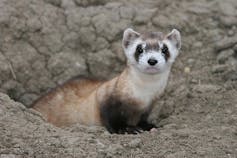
(175, 38)
(129, 36)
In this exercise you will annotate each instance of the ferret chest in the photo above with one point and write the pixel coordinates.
(147, 93)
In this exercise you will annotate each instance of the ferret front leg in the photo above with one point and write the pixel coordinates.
(116, 122)
(113, 117)
(144, 124)
(116, 115)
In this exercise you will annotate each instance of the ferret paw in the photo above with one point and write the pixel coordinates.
(146, 126)
(130, 130)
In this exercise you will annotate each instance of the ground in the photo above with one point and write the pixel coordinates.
(45, 42)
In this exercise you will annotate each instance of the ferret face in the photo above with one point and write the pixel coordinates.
(151, 53)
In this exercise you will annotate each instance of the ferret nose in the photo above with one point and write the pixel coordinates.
(152, 62)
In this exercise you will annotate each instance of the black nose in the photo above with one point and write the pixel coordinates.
(152, 62)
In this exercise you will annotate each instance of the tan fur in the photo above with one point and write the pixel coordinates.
(78, 101)
(73, 102)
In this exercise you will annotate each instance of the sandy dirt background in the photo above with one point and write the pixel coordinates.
(45, 42)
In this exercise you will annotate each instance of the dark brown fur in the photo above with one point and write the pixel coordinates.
(152, 39)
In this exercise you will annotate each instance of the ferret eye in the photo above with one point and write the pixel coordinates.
(139, 49)
(165, 51)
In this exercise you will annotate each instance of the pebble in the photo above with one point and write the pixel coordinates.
(115, 149)
(187, 70)
(231, 76)
(235, 48)
(225, 43)
(219, 68)
(92, 129)
(228, 21)
(135, 143)
(190, 61)
(101, 145)
(224, 55)
(106, 133)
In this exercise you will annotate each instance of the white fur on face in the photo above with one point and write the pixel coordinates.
(172, 41)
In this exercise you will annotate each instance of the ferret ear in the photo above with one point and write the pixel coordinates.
(175, 38)
(129, 36)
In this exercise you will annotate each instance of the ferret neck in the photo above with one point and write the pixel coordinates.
(142, 86)
(137, 77)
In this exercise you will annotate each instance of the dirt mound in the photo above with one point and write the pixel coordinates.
(45, 42)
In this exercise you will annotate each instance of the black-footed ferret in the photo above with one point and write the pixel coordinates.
(123, 103)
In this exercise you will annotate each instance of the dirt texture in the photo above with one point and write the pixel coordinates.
(45, 42)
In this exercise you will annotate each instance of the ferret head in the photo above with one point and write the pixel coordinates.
(151, 53)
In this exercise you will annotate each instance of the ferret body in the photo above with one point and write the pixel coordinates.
(123, 103)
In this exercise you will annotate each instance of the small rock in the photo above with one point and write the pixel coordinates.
(182, 133)
(190, 61)
(226, 43)
(170, 125)
(28, 98)
(187, 70)
(224, 56)
(115, 149)
(219, 68)
(228, 20)
(232, 75)
(67, 4)
(92, 129)
(231, 32)
(106, 133)
(34, 24)
(194, 81)
(198, 44)
(101, 145)
(112, 5)
(135, 143)
(235, 49)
